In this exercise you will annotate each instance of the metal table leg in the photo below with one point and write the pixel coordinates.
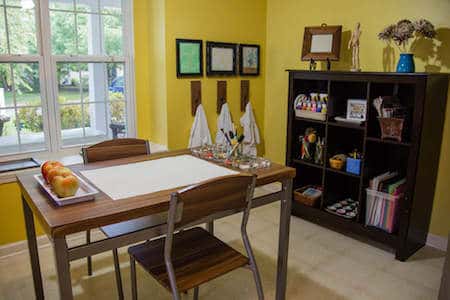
(210, 227)
(283, 239)
(32, 247)
(62, 268)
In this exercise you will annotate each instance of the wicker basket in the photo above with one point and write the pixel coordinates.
(391, 128)
(309, 201)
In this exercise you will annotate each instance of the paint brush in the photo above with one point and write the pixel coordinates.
(226, 136)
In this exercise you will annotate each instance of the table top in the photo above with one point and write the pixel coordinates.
(60, 221)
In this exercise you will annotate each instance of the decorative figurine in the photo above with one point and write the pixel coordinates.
(308, 144)
(354, 45)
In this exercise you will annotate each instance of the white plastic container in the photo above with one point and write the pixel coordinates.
(381, 210)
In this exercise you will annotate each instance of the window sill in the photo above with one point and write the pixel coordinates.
(67, 160)
(67, 157)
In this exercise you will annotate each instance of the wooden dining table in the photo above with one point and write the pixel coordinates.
(58, 222)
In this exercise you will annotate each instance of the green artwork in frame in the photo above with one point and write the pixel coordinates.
(189, 57)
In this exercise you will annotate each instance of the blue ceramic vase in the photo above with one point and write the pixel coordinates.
(406, 63)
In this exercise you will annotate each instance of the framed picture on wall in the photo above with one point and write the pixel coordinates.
(221, 58)
(322, 42)
(249, 59)
(189, 57)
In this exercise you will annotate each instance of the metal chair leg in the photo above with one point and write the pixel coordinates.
(133, 278)
(118, 276)
(210, 227)
(89, 259)
(196, 293)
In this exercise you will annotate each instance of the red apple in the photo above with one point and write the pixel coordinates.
(53, 172)
(47, 166)
(65, 185)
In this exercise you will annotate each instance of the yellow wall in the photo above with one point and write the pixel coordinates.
(286, 20)
(142, 67)
(162, 100)
(12, 223)
(157, 83)
(233, 21)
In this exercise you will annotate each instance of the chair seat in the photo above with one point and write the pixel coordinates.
(197, 257)
(126, 227)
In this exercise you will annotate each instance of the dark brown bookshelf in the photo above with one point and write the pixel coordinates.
(343, 173)
(416, 156)
(346, 125)
(310, 120)
(387, 141)
(307, 163)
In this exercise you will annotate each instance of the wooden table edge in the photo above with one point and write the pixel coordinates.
(58, 231)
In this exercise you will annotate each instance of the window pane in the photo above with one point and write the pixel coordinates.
(113, 37)
(8, 132)
(22, 30)
(68, 83)
(62, 4)
(97, 120)
(3, 43)
(82, 34)
(63, 33)
(87, 5)
(117, 112)
(95, 83)
(116, 81)
(6, 88)
(117, 119)
(12, 2)
(88, 30)
(26, 83)
(83, 123)
(111, 7)
(31, 128)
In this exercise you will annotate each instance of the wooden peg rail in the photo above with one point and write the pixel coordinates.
(196, 95)
(221, 94)
(245, 93)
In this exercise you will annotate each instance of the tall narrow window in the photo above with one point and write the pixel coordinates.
(65, 69)
(21, 107)
(87, 42)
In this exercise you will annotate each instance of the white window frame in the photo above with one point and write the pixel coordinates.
(49, 83)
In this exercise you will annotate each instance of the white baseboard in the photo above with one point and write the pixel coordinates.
(9, 250)
(437, 241)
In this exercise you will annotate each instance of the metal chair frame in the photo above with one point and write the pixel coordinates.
(173, 217)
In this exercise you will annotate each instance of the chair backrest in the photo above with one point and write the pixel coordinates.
(114, 149)
(213, 197)
(207, 199)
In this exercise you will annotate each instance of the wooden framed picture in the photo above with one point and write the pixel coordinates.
(189, 57)
(221, 58)
(321, 43)
(356, 109)
(249, 59)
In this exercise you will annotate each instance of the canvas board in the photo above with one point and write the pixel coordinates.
(124, 181)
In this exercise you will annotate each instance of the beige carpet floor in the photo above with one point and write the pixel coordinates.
(322, 265)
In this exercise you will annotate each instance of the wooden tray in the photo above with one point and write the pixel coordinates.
(85, 192)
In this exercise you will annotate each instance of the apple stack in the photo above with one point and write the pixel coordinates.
(63, 182)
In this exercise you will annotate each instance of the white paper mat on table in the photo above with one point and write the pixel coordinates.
(151, 176)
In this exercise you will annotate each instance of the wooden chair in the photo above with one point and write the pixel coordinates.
(185, 260)
(115, 149)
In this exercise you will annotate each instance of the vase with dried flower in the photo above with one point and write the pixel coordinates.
(402, 34)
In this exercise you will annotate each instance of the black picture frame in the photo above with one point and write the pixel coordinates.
(210, 69)
(243, 71)
(180, 72)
